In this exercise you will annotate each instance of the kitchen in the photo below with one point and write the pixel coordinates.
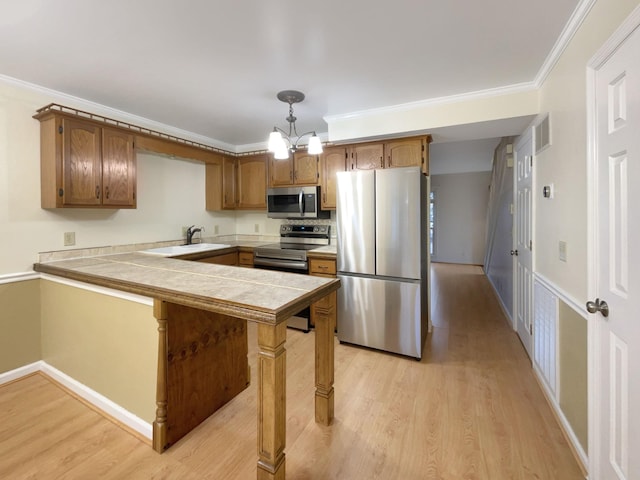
(27, 229)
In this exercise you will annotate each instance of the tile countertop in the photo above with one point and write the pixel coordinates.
(264, 296)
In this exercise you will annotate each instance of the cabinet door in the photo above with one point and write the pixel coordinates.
(82, 166)
(367, 156)
(404, 153)
(118, 169)
(305, 169)
(228, 183)
(280, 172)
(332, 160)
(224, 259)
(252, 182)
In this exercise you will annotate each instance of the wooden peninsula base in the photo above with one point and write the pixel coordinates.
(202, 364)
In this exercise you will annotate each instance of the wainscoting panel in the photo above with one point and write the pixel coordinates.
(545, 339)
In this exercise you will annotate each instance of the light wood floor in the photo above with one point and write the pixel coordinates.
(471, 409)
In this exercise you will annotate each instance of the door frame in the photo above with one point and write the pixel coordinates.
(527, 135)
(593, 330)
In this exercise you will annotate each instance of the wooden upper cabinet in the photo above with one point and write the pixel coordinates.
(366, 156)
(237, 183)
(229, 196)
(83, 164)
(118, 168)
(407, 152)
(305, 169)
(251, 182)
(280, 172)
(299, 169)
(332, 160)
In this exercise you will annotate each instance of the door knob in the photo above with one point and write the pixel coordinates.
(514, 252)
(598, 306)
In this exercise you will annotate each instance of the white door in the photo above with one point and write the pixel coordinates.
(523, 242)
(615, 339)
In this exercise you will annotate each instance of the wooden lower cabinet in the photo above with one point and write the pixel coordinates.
(321, 267)
(245, 259)
(223, 259)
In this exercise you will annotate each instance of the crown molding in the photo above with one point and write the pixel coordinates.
(571, 27)
(106, 111)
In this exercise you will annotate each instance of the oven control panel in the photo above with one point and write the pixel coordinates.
(308, 231)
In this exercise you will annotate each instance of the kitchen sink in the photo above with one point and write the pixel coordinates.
(184, 249)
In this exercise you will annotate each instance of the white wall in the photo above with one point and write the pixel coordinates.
(563, 95)
(461, 216)
(462, 157)
(171, 194)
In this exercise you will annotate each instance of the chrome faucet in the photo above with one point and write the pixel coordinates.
(191, 231)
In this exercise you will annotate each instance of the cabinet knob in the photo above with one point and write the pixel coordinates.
(97, 191)
(106, 192)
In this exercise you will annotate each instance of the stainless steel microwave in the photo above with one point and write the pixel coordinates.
(295, 202)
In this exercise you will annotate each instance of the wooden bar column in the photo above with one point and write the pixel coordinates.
(324, 312)
(160, 423)
(272, 371)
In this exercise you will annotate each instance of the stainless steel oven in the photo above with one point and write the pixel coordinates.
(295, 202)
(290, 255)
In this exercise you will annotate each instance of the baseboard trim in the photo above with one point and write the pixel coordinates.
(20, 372)
(574, 444)
(94, 400)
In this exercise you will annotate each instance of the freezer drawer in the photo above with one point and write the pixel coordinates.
(382, 314)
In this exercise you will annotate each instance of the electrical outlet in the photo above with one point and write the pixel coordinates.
(69, 238)
(256, 228)
(216, 229)
(562, 250)
(184, 231)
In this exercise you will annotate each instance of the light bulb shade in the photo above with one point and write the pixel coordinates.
(315, 146)
(275, 141)
(282, 152)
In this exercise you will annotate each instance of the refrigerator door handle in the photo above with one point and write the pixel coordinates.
(301, 202)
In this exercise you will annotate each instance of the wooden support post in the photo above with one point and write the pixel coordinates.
(272, 371)
(160, 423)
(324, 312)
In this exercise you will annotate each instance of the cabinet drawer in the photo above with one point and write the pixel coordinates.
(225, 259)
(322, 267)
(245, 259)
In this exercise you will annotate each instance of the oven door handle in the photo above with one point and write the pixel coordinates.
(281, 264)
(301, 202)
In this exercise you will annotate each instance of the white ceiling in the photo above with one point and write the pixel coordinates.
(213, 67)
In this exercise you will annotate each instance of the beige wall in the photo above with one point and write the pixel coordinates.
(106, 343)
(19, 324)
(572, 347)
(563, 95)
(171, 193)
(430, 115)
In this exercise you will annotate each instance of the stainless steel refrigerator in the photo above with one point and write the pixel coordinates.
(382, 259)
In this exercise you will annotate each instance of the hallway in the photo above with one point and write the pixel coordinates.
(471, 409)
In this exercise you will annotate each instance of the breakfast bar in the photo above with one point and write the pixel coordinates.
(199, 305)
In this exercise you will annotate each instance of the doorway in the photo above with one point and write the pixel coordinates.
(614, 284)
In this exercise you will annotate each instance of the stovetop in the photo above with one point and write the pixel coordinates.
(295, 241)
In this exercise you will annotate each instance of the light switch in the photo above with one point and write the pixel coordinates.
(562, 250)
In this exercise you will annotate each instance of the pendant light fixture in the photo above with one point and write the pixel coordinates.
(280, 142)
